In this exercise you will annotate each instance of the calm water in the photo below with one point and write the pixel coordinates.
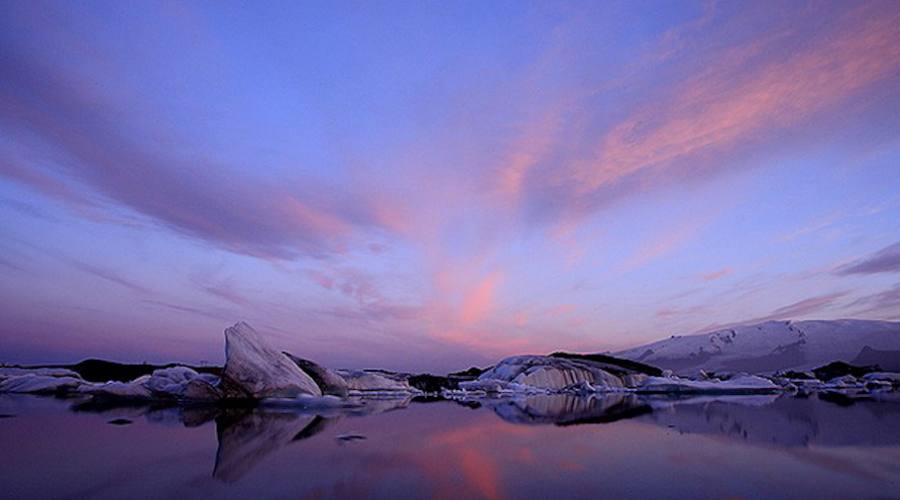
(541, 447)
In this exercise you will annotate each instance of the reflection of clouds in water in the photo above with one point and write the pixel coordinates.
(785, 420)
(507, 448)
(480, 449)
(775, 419)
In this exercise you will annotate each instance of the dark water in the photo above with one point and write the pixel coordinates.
(540, 447)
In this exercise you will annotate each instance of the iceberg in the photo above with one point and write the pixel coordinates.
(39, 384)
(544, 373)
(364, 381)
(329, 382)
(13, 371)
(136, 389)
(742, 384)
(253, 370)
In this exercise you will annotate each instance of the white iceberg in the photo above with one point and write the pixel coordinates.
(176, 382)
(742, 384)
(255, 370)
(361, 381)
(137, 389)
(32, 383)
(13, 371)
(328, 381)
(544, 373)
(844, 382)
(181, 382)
(893, 378)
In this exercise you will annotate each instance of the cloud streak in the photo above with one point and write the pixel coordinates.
(483, 192)
(795, 310)
(886, 260)
(195, 196)
(743, 97)
(715, 275)
(886, 304)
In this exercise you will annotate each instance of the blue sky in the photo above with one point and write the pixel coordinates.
(431, 185)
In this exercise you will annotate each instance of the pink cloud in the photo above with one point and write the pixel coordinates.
(561, 310)
(478, 302)
(735, 99)
(740, 95)
(321, 278)
(122, 162)
(714, 275)
(538, 140)
(669, 240)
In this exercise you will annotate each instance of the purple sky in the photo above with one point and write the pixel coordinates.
(431, 185)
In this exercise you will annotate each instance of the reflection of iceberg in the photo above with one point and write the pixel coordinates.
(762, 419)
(784, 420)
(246, 436)
(567, 409)
(153, 411)
(371, 406)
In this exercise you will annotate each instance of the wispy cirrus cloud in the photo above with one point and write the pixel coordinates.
(742, 98)
(805, 306)
(477, 304)
(218, 315)
(886, 260)
(667, 241)
(367, 294)
(528, 168)
(42, 182)
(885, 304)
(108, 275)
(715, 275)
(227, 291)
(129, 163)
(103, 272)
(795, 310)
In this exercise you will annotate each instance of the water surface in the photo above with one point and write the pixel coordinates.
(537, 447)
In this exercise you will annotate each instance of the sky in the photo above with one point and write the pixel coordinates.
(430, 185)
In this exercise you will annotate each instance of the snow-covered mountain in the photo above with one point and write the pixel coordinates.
(776, 345)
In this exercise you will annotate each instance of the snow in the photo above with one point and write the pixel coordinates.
(260, 371)
(769, 346)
